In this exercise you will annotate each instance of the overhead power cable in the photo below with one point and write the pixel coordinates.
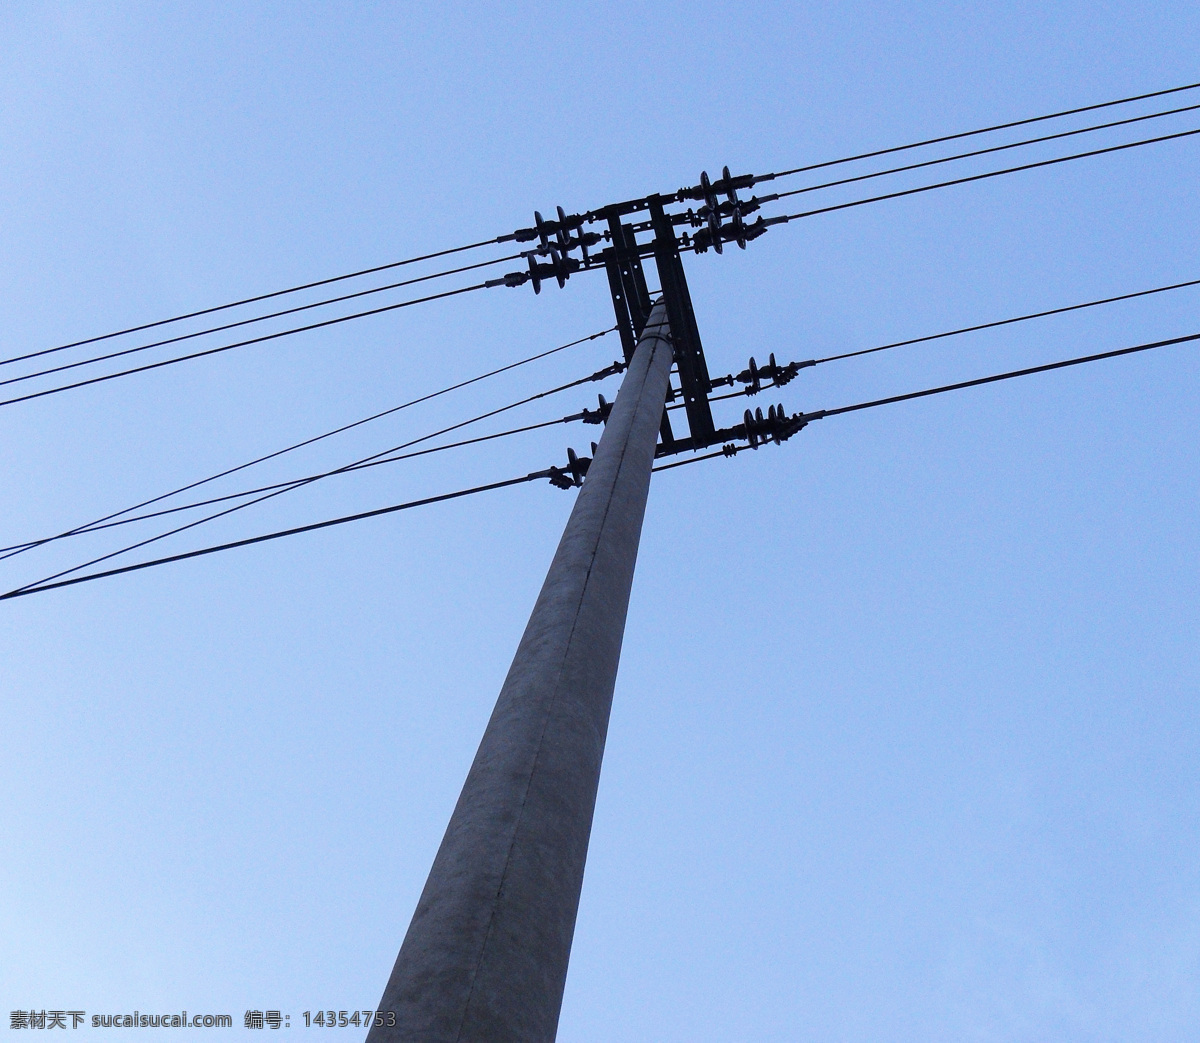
(986, 151)
(371, 461)
(1010, 375)
(615, 368)
(1005, 322)
(696, 459)
(741, 393)
(294, 483)
(52, 584)
(274, 535)
(977, 177)
(256, 318)
(7, 552)
(255, 299)
(821, 414)
(241, 344)
(980, 130)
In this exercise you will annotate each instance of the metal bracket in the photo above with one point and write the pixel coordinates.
(689, 353)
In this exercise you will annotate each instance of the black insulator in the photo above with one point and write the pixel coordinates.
(751, 428)
(730, 189)
(711, 211)
(600, 414)
(739, 229)
(540, 225)
(577, 466)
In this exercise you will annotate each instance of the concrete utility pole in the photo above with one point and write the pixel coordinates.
(485, 957)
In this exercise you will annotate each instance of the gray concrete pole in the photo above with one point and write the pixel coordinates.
(485, 957)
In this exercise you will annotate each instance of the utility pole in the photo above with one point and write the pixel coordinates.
(485, 957)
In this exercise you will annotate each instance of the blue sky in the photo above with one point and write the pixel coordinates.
(903, 744)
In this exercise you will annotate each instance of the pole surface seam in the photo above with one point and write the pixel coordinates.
(485, 957)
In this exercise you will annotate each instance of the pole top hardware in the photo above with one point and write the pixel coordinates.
(726, 185)
(572, 475)
(556, 242)
(713, 232)
(599, 415)
(559, 247)
(775, 427)
(777, 375)
(559, 267)
(543, 229)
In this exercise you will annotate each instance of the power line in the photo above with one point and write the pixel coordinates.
(21, 592)
(254, 319)
(241, 344)
(977, 177)
(821, 414)
(981, 130)
(7, 552)
(253, 300)
(348, 469)
(1011, 374)
(734, 450)
(51, 583)
(957, 332)
(1005, 322)
(616, 367)
(511, 236)
(986, 151)
(370, 461)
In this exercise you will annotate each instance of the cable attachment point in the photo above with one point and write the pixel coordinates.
(573, 474)
(599, 415)
(566, 242)
(736, 231)
(712, 232)
(710, 213)
(775, 374)
(556, 242)
(724, 186)
(609, 371)
(559, 267)
(775, 427)
(542, 229)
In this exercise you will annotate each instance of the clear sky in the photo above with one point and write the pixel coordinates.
(904, 743)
